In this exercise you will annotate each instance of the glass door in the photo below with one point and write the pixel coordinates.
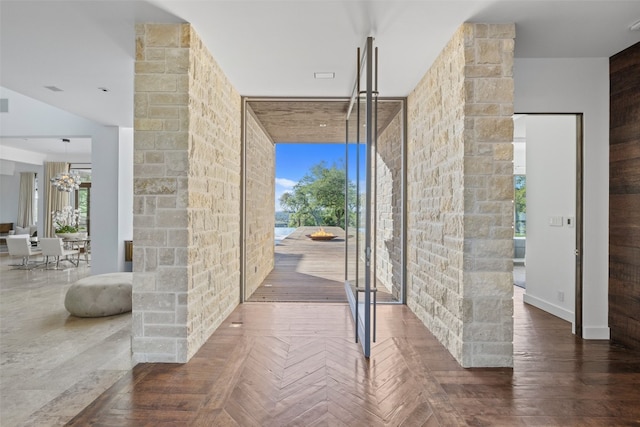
(360, 200)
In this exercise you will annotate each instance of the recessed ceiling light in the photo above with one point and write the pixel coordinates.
(54, 88)
(324, 75)
(323, 125)
(635, 26)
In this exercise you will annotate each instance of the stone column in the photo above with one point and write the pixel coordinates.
(488, 196)
(186, 194)
(460, 192)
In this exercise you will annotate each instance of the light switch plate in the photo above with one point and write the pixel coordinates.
(555, 221)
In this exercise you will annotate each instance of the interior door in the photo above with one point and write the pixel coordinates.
(360, 200)
(553, 215)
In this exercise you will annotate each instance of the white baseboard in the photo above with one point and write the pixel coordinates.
(549, 308)
(595, 333)
(588, 332)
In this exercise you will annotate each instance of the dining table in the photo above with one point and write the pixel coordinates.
(82, 244)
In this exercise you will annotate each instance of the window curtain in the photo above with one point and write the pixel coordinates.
(54, 200)
(25, 199)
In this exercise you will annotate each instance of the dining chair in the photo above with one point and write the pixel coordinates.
(54, 246)
(83, 244)
(20, 246)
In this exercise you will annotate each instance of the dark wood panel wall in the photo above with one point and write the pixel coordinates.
(624, 197)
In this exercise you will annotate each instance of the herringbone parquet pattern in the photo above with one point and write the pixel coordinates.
(287, 365)
(297, 365)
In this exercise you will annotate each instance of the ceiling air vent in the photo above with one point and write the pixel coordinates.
(324, 75)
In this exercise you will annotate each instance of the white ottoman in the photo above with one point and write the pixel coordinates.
(100, 295)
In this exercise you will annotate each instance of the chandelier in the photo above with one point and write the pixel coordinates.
(66, 181)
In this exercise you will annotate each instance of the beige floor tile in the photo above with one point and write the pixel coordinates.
(52, 364)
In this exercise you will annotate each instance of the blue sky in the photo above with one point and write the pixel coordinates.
(293, 161)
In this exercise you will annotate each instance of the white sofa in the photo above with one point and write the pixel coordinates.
(31, 230)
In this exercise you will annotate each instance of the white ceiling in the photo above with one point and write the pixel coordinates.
(272, 48)
(54, 148)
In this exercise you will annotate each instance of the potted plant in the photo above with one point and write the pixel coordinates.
(66, 222)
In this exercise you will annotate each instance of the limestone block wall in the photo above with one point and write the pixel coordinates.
(389, 207)
(460, 192)
(259, 203)
(186, 194)
(215, 117)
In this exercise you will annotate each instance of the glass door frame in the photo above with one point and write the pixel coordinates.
(362, 312)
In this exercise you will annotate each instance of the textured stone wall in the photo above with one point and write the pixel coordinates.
(186, 194)
(389, 208)
(460, 192)
(260, 203)
(215, 116)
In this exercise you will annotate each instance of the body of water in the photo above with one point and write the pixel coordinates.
(282, 232)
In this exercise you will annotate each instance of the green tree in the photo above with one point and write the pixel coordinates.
(318, 199)
(520, 201)
(296, 203)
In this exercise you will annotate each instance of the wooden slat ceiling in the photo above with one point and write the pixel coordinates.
(301, 121)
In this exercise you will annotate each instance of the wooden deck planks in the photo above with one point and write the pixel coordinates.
(308, 271)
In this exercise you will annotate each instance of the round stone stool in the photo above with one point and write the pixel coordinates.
(100, 295)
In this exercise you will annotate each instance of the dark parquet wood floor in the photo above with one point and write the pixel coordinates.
(284, 364)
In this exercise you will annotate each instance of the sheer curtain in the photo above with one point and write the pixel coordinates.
(25, 199)
(54, 200)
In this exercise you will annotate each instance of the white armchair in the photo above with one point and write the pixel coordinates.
(30, 231)
(54, 246)
(20, 246)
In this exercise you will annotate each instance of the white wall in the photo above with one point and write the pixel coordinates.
(579, 86)
(9, 185)
(105, 248)
(9, 191)
(125, 191)
(519, 158)
(28, 117)
(551, 193)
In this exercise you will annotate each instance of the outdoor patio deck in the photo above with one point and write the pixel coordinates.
(308, 271)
